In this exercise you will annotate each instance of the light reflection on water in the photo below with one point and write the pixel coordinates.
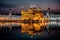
(44, 35)
(16, 33)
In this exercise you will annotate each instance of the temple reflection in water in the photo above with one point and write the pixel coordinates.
(32, 21)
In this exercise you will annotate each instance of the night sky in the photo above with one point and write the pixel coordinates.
(16, 5)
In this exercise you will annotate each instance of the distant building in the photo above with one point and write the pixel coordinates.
(49, 12)
(10, 12)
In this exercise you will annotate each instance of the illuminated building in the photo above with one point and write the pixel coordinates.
(30, 21)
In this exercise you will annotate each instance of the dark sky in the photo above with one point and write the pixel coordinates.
(16, 5)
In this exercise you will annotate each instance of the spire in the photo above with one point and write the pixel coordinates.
(10, 12)
(22, 10)
(48, 12)
(32, 6)
(39, 9)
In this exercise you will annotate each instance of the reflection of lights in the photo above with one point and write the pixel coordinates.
(38, 18)
(39, 21)
(36, 26)
(30, 22)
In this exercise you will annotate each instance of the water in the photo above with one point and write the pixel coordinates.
(16, 34)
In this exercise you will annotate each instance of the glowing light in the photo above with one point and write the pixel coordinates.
(32, 6)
